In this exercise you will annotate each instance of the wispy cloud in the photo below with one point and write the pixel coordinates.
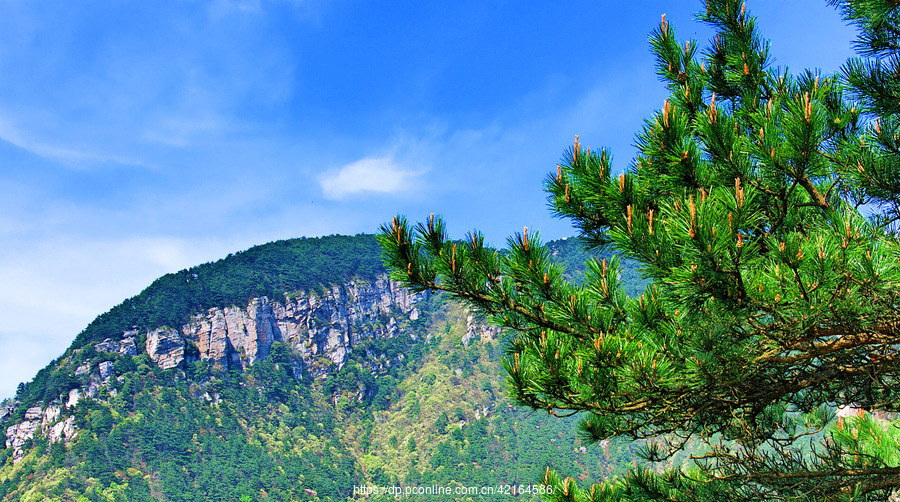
(379, 175)
(67, 156)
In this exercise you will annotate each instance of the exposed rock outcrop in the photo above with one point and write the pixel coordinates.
(37, 419)
(321, 330)
(33, 413)
(314, 326)
(234, 337)
(166, 347)
(74, 397)
(475, 329)
(5, 411)
(106, 370)
(125, 346)
(17, 435)
(62, 431)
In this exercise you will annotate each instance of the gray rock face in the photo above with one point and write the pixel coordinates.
(106, 370)
(314, 326)
(62, 431)
(33, 413)
(234, 337)
(166, 347)
(475, 329)
(6, 411)
(321, 330)
(49, 416)
(17, 435)
(39, 420)
(74, 397)
(125, 346)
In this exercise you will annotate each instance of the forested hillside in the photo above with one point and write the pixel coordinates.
(294, 265)
(413, 394)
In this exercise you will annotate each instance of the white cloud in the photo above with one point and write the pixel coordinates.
(381, 175)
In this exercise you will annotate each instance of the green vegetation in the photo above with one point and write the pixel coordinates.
(274, 269)
(437, 414)
(571, 255)
(160, 439)
(763, 207)
(465, 432)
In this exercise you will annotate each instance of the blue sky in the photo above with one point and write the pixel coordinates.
(141, 138)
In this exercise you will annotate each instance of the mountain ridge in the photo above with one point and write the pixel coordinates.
(358, 368)
(271, 269)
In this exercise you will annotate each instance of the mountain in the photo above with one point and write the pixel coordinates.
(295, 370)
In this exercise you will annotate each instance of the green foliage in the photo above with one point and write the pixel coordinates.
(868, 442)
(272, 269)
(573, 253)
(179, 446)
(762, 207)
(457, 428)
(261, 431)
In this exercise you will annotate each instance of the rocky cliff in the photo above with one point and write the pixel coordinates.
(321, 329)
(38, 419)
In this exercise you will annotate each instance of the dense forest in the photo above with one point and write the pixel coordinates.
(197, 432)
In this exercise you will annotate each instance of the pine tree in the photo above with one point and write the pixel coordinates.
(763, 208)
